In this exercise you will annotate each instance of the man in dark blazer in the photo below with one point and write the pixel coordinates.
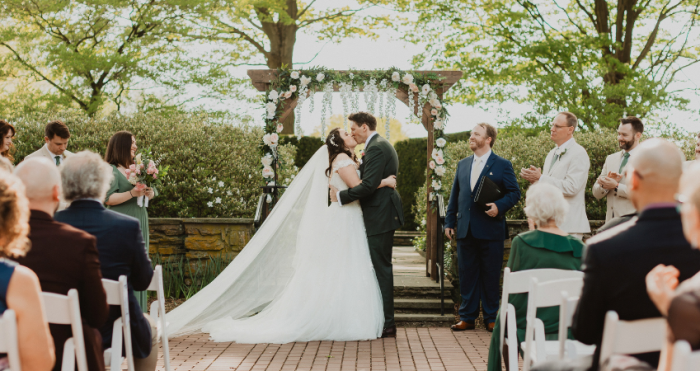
(86, 179)
(618, 260)
(381, 208)
(63, 258)
(480, 232)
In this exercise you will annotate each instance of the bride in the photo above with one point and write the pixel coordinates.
(305, 275)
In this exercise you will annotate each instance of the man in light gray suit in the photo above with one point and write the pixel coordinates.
(56, 136)
(566, 167)
(612, 183)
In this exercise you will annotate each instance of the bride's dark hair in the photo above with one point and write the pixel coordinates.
(336, 146)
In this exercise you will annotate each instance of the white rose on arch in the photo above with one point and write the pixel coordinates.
(271, 107)
(436, 185)
(433, 112)
(441, 142)
(273, 95)
(267, 172)
(440, 160)
(292, 88)
(426, 89)
(439, 124)
(295, 75)
(266, 139)
(280, 127)
(305, 80)
(287, 94)
(320, 77)
(440, 171)
(267, 160)
(431, 164)
(274, 139)
(396, 77)
(407, 79)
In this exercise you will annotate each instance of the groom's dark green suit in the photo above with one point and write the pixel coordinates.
(382, 212)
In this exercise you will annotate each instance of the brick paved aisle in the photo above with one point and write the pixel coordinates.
(414, 349)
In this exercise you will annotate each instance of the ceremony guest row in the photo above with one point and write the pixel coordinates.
(73, 249)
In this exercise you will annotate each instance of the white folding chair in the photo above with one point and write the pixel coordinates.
(519, 283)
(65, 310)
(118, 294)
(9, 339)
(546, 294)
(684, 359)
(631, 337)
(570, 348)
(157, 313)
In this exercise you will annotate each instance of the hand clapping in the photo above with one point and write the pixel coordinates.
(532, 174)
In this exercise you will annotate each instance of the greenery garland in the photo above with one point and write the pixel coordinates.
(298, 84)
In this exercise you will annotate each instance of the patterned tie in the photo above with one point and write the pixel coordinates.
(556, 157)
(58, 160)
(625, 157)
(475, 173)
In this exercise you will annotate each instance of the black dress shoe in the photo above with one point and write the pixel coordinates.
(389, 332)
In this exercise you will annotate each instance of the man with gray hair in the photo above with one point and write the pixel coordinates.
(64, 258)
(86, 179)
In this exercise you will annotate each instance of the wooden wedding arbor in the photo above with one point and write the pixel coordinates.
(262, 79)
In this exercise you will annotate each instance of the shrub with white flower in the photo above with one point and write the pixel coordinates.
(294, 75)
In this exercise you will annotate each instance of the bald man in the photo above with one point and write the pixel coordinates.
(63, 258)
(618, 260)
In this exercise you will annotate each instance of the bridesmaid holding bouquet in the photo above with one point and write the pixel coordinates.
(122, 195)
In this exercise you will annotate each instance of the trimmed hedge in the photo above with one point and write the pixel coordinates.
(211, 162)
(412, 166)
(306, 147)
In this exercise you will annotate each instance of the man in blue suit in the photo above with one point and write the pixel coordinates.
(480, 232)
(86, 179)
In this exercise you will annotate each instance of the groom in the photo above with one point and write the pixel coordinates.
(381, 208)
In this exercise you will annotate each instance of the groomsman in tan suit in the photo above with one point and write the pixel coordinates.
(566, 167)
(612, 183)
(56, 136)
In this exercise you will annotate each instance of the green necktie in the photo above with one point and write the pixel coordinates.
(556, 157)
(58, 160)
(625, 157)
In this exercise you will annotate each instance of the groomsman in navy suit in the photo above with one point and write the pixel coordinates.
(480, 231)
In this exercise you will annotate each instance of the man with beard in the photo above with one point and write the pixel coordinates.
(566, 167)
(611, 182)
(480, 231)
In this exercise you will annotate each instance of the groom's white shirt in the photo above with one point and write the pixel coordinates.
(337, 195)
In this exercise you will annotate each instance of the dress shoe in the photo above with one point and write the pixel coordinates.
(462, 326)
(490, 326)
(389, 332)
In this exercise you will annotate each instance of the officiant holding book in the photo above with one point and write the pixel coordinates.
(484, 189)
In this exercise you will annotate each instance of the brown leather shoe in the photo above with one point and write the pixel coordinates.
(463, 326)
(490, 326)
(389, 332)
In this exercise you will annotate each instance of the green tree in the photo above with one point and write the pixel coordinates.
(599, 59)
(87, 53)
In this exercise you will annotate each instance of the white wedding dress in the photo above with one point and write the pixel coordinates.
(306, 272)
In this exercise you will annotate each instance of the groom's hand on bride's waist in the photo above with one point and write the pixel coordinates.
(333, 193)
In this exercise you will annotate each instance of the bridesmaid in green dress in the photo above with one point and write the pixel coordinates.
(122, 196)
(544, 246)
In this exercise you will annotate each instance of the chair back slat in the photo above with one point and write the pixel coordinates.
(65, 310)
(158, 312)
(113, 291)
(631, 337)
(549, 293)
(58, 308)
(520, 281)
(9, 338)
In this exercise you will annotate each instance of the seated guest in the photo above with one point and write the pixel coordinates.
(19, 286)
(7, 132)
(86, 179)
(64, 258)
(618, 260)
(547, 246)
(56, 135)
(682, 306)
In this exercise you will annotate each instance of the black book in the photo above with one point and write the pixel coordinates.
(487, 192)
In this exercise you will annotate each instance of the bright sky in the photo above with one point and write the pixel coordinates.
(388, 51)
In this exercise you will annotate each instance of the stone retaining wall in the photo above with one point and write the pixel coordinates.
(199, 238)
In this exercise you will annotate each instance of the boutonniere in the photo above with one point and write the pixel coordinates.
(559, 152)
(362, 153)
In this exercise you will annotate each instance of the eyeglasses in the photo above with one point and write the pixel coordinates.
(558, 127)
(680, 199)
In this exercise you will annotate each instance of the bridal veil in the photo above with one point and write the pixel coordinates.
(262, 270)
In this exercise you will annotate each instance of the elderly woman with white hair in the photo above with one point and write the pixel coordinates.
(544, 246)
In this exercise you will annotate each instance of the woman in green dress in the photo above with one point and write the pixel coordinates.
(122, 195)
(544, 246)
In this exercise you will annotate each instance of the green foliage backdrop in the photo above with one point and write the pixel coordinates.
(524, 151)
(210, 161)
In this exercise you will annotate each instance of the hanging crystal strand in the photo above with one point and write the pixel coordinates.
(327, 105)
(344, 88)
(323, 116)
(300, 103)
(311, 104)
(355, 98)
(392, 106)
